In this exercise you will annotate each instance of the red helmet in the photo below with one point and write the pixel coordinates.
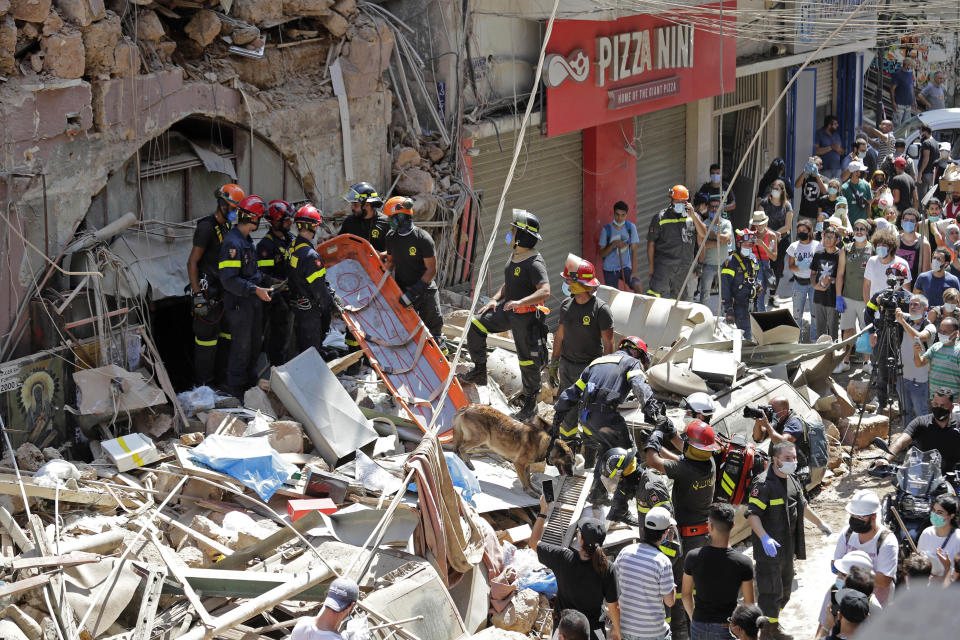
(747, 235)
(251, 209)
(308, 217)
(634, 343)
(897, 270)
(580, 270)
(701, 436)
(277, 210)
(232, 194)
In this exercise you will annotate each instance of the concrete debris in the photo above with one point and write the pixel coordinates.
(203, 27)
(30, 10)
(149, 27)
(52, 24)
(63, 54)
(81, 12)
(414, 180)
(307, 8)
(29, 457)
(257, 11)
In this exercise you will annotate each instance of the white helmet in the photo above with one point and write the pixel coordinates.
(698, 403)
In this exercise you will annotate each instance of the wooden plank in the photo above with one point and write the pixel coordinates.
(148, 605)
(27, 584)
(344, 362)
(62, 611)
(17, 534)
(66, 560)
(11, 487)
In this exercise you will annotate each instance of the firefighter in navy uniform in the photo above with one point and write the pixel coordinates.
(364, 220)
(411, 255)
(246, 289)
(310, 294)
(209, 353)
(273, 255)
(740, 283)
(602, 386)
(516, 306)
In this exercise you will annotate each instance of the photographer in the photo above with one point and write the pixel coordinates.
(913, 382)
(786, 427)
(881, 312)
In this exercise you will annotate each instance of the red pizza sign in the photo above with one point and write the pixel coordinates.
(597, 72)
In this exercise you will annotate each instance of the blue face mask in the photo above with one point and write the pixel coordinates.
(509, 238)
(937, 520)
(839, 582)
(565, 288)
(715, 178)
(909, 226)
(832, 191)
(882, 251)
(232, 216)
(679, 207)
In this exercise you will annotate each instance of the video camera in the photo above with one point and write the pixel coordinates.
(761, 410)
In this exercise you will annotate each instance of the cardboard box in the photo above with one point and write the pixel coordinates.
(130, 451)
(951, 178)
(714, 366)
(296, 509)
(774, 327)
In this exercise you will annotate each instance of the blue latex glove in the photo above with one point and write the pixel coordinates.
(770, 546)
(841, 304)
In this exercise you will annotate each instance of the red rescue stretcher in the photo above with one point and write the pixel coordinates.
(398, 345)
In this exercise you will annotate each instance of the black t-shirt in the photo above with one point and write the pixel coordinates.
(927, 435)
(408, 253)
(692, 489)
(373, 230)
(708, 189)
(825, 266)
(582, 325)
(809, 195)
(717, 577)
(931, 145)
(904, 185)
(520, 279)
(209, 236)
(827, 205)
(579, 587)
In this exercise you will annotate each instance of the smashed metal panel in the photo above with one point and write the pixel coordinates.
(417, 590)
(659, 321)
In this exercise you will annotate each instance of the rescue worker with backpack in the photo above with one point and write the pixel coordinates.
(273, 256)
(810, 439)
(311, 297)
(740, 283)
(210, 348)
(584, 334)
(516, 306)
(600, 389)
(246, 289)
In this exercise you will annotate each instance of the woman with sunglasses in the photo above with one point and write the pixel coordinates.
(942, 538)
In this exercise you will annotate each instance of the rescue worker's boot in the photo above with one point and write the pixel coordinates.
(598, 494)
(776, 633)
(477, 375)
(528, 409)
(620, 512)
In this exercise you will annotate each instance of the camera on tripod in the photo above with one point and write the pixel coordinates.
(760, 410)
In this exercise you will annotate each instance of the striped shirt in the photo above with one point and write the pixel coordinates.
(944, 367)
(644, 576)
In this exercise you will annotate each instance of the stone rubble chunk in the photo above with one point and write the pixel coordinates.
(52, 24)
(149, 26)
(257, 11)
(8, 45)
(307, 8)
(29, 457)
(82, 12)
(335, 23)
(100, 42)
(203, 27)
(415, 181)
(30, 10)
(404, 157)
(126, 59)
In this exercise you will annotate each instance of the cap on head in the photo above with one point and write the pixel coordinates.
(592, 531)
(899, 161)
(856, 165)
(856, 558)
(342, 593)
(658, 519)
(854, 606)
(863, 503)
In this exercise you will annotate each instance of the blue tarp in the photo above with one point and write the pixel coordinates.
(252, 461)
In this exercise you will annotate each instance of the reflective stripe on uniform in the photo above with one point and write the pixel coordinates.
(613, 357)
(206, 343)
(316, 274)
(673, 221)
(872, 306)
(479, 325)
(775, 501)
(651, 292)
(728, 272)
(758, 502)
(229, 263)
(351, 342)
(526, 363)
(580, 384)
(633, 373)
(226, 336)
(567, 433)
(585, 430)
(265, 263)
(667, 551)
(294, 260)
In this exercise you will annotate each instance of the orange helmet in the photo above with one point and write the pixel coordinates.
(679, 192)
(277, 210)
(232, 194)
(701, 436)
(580, 270)
(308, 217)
(251, 209)
(398, 204)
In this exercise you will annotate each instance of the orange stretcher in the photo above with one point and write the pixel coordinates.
(395, 341)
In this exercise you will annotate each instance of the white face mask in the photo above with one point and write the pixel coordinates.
(915, 316)
(788, 467)
(775, 194)
(679, 207)
(945, 338)
(949, 307)
(936, 264)
(746, 251)
(861, 154)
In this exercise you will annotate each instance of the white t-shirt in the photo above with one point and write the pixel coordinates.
(306, 629)
(929, 542)
(803, 254)
(876, 273)
(884, 562)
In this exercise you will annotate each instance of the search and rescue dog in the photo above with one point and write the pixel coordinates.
(521, 443)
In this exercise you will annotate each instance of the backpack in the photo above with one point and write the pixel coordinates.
(815, 443)
(738, 462)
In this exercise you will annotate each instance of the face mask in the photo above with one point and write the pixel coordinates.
(949, 307)
(619, 224)
(775, 193)
(933, 217)
(803, 236)
(909, 226)
(509, 238)
(788, 467)
(882, 251)
(859, 238)
(859, 526)
(839, 583)
(945, 338)
(566, 289)
(915, 316)
(832, 191)
(819, 227)
(715, 178)
(711, 213)
(937, 520)
(944, 155)
(232, 216)
(861, 155)
(940, 413)
(679, 207)
(746, 251)
(936, 264)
